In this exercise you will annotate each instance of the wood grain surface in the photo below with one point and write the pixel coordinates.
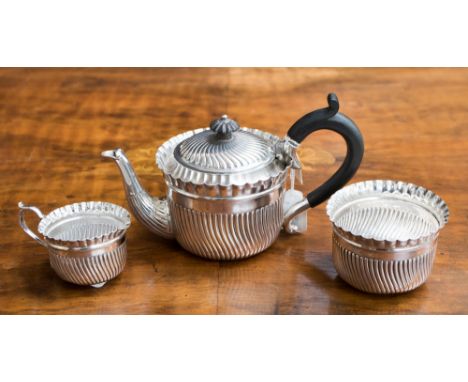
(55, 122)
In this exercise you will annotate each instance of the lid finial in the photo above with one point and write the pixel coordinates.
(224, 127)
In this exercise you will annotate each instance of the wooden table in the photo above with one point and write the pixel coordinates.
(55, 122)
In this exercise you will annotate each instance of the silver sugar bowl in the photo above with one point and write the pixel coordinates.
(226, 196)
(86, 241)
(385, 234)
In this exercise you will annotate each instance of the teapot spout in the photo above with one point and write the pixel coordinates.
(152, 212)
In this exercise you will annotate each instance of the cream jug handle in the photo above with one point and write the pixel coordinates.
(326, 119)
(22, 221)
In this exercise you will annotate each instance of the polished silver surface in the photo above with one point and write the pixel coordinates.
(385, 234)
(227, 236)
(86, 241)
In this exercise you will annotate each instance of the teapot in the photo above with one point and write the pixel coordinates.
(226, 185)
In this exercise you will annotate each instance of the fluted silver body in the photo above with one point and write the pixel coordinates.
(227, 236)
(93, 269)
(381, 275)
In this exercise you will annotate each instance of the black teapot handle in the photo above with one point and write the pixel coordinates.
(330, 119)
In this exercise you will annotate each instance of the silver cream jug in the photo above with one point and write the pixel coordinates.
(226, 185)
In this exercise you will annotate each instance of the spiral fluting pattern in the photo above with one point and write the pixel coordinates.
(89, 270)
(381, 276)
(227, 236)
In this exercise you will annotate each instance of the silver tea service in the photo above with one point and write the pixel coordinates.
(227, 200)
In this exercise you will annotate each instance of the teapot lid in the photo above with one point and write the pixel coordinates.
(223, 160)
(224, 149)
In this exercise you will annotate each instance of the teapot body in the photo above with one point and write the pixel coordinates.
(223, 221)
(226, 229)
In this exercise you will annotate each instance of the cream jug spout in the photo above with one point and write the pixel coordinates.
(152, 212)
